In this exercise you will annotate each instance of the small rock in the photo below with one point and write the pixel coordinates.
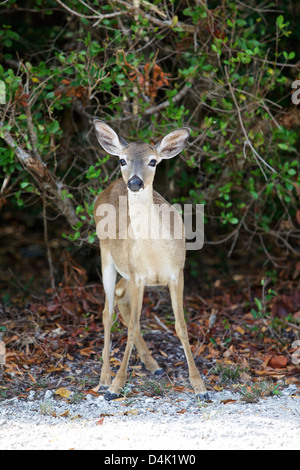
(48, 394)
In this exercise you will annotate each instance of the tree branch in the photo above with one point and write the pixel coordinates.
(37, 168)
(162, 23)
(166, 103)
(131, 8)
(98, 16)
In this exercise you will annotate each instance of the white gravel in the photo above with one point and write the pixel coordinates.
(142, 423)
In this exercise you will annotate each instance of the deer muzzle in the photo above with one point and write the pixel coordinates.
(135, 184)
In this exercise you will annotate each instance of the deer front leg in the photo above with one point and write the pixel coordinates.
(105, 377)
(136, 296)
(109, 281)
(176, 291)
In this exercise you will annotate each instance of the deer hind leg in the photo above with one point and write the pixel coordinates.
(176, 291)
(122, 296)
(109, 280)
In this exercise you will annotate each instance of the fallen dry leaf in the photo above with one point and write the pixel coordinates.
(31, 377)
(240, 330)
(133, 412)
(91, 391)
(180, 363)
(276, 362)
(229, 401)
(63, 392)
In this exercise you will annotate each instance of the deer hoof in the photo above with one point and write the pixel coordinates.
(111, 396)
(202, 396)
(103, 387)
(158, 372)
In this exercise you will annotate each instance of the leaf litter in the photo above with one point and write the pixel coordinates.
(47, 344)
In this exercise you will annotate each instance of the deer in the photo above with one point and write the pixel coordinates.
(141, 259)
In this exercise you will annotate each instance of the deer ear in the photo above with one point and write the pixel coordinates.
(108, 138)
(172, 144)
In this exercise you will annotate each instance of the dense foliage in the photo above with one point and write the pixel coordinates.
(223, 68)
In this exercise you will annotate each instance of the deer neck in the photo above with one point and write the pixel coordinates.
(140, 213)
(144, 198)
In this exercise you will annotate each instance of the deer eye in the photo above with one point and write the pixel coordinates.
(152, 163)
(123, 162)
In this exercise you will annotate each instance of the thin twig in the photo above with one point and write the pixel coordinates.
(50, 263)
(293, 325)
(97, 16)
(255, 154)
(161, 323)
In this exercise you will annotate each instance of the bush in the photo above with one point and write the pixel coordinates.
(224, 70)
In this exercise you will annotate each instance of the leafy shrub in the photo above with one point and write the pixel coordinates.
(224, 70)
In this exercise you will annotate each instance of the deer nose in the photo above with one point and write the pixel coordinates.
(135, 183)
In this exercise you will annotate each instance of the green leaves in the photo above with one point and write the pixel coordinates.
(53, 127)
(196, 13)
(280, 21)
(282, 26)
(7, 36)
(148, 77)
